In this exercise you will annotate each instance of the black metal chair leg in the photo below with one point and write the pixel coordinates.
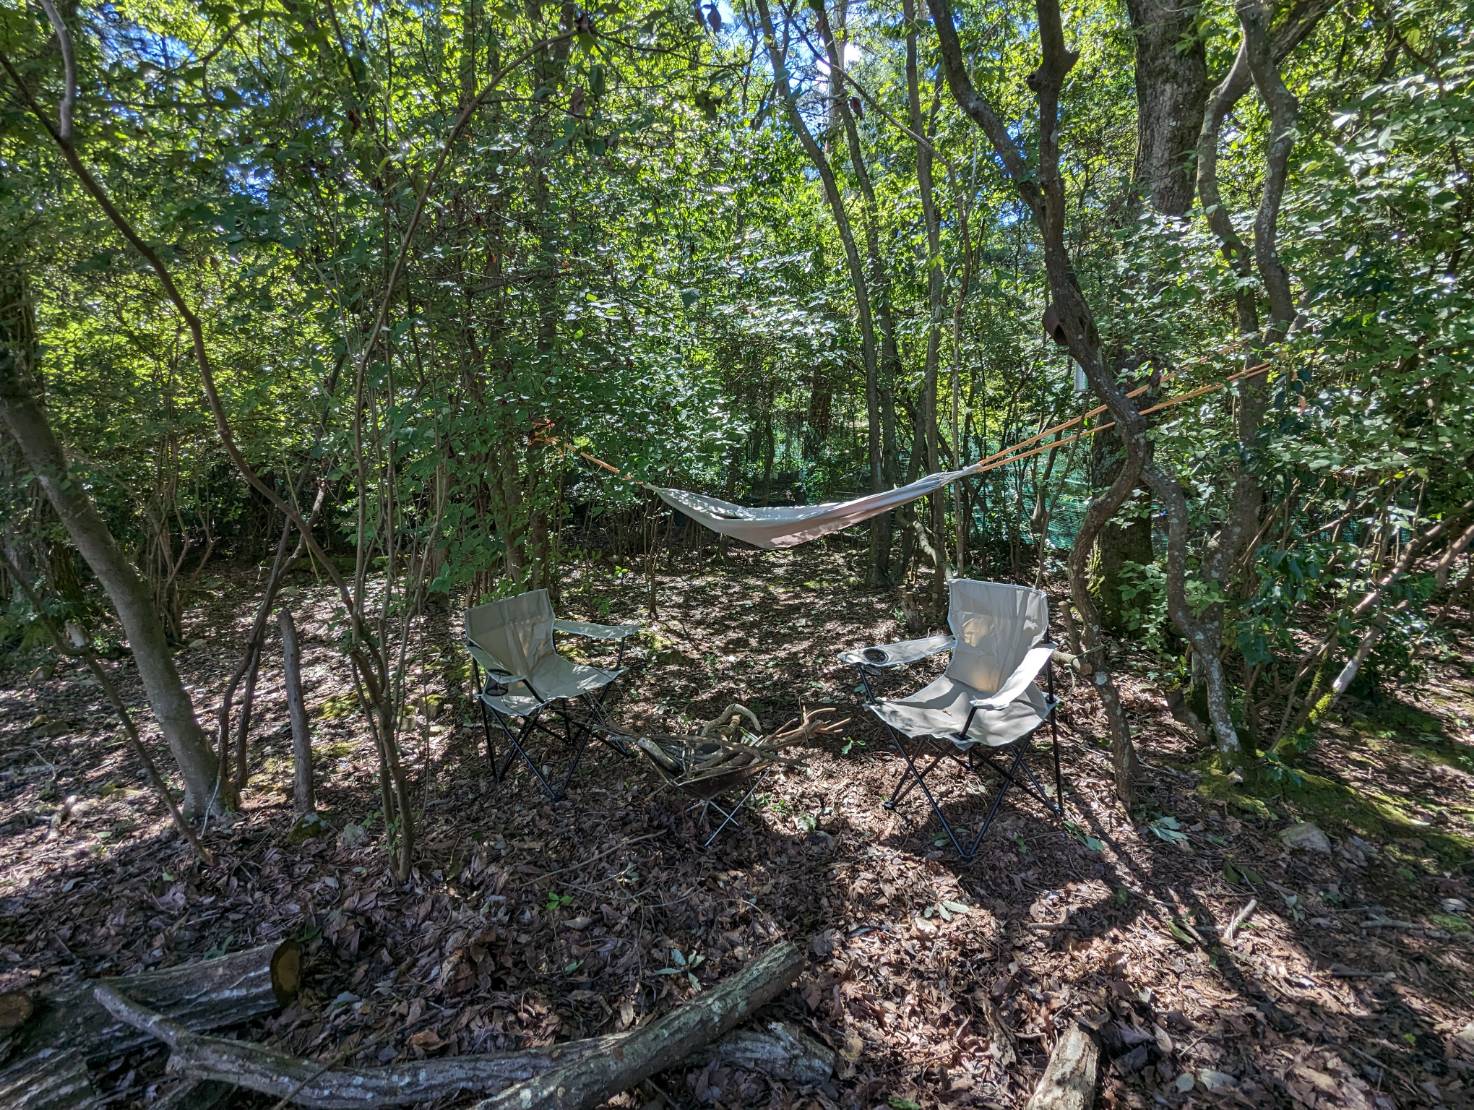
(729, 816)
(485, 722)
(994, 807)
(910, 773)
(605, 731)
(1015, 773)
(578, 741)
(1059, 786)
(519, 748)
(908, 782)
(1032, 785)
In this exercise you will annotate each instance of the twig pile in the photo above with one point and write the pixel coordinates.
(724, 752)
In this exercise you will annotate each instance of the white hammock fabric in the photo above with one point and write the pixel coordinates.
(790, 525)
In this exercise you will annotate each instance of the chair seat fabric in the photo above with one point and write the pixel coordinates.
(940, 710)
(553, 678)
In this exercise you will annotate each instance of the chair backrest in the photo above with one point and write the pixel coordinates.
(995, 625)
(516, 631)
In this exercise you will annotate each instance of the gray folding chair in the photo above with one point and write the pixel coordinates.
(985, 708)
(527, 683)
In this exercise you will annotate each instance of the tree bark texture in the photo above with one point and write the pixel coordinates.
(1171, 87)
(1069, 1079)
(302, 790)
(205, 994)
(777, 1050)
(54, 1079)
(589, 1081)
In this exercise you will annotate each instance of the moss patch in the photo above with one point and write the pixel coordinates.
(1218, 785)
(336, 707)
(1394, 725)
(1376, 816)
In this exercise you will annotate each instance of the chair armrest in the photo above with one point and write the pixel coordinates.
(883, 657)
(596, 631)
(1014, 687)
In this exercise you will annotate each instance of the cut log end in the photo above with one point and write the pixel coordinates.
(15, 1008)
(286, 971)
(206, 994)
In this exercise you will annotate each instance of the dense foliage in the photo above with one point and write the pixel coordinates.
(430, 247)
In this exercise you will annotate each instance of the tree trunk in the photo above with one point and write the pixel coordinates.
(1125, 538)
(206, 994)
(302, 792)
(1171, 89)
(878, 288)
(27, 423)
(1041, 187)
(593, 1079)
(934, 296)
(880, 527)
(1171, 92)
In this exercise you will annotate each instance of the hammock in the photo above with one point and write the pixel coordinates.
(773, 527)
(789, 526)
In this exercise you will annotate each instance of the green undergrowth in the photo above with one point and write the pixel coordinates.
(1386, 819)
(1393, 726)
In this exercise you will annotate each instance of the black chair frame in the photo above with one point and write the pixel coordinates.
(518, 731)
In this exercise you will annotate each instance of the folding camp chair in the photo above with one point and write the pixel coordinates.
(527, 682)
(982, 713)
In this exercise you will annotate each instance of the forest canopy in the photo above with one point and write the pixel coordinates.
(412, 304)
(360, 283)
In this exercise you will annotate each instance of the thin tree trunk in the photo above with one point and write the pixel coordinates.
(888, 365)
(110, 690)
(129, 594)
(879, 531)
(302, 790)
(1041, 188)
(934, 295)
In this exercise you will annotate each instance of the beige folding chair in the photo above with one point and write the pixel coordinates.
(527, 682)
(985, 708)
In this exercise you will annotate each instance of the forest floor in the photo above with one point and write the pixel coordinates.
(1350, 983)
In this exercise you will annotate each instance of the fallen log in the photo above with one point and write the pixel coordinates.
(590, 1080)
(1069, 1079)
(309, 1083)
(53, 1079)
(779, 1051)
(206, 994)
